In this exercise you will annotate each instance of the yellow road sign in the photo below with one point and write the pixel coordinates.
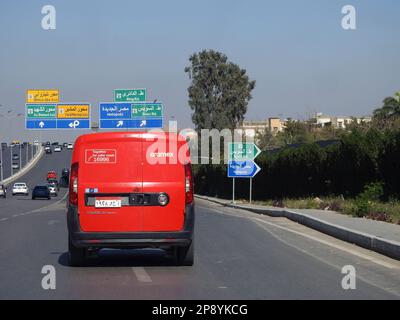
(73, 111)
(42, 96)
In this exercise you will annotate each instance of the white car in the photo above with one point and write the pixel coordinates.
(15, 166)
(20, 188)
(57, 149)
(70, 146)
(53, 190)
(36, 143)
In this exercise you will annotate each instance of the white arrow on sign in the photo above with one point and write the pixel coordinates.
(74, 124)
(120, 124)
(143, 123)
(41, 124)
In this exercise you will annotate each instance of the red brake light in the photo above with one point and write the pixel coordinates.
(73, 184)
(188, 184)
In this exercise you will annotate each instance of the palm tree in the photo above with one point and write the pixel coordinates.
(390, 108)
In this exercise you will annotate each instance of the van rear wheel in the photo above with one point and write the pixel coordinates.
(76, 256)
(185, 255)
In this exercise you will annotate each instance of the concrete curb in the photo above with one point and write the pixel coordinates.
(383, 246)
(25, 169)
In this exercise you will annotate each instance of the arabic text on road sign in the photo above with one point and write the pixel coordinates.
(42, 96)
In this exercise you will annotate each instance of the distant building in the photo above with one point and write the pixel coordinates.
(276, 125)
(251, 128)
(322, 120)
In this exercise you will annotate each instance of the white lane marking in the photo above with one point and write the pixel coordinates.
(37, 210)
(333, 245)
(362, 278)
(50, 205)
(141, 274)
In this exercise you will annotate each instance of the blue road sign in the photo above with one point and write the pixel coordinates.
(242, 169)
(152, 123)
(115, 110)
(41, 124)
(73, 124)
(57, 116)
(123, 115)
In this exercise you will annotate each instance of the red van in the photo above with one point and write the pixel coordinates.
(131, 190)
(51, 175)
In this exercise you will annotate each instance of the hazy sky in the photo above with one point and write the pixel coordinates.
(302, 59)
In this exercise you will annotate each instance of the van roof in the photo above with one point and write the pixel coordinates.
(127, 134)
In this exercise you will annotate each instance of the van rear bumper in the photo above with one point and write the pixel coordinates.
(83, 239)
(131, 240)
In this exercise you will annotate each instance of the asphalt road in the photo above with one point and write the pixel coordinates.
(26, 153)
(239, 255)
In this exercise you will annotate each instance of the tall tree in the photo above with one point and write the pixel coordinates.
(219, 92)
(295, 132)
(389, 113)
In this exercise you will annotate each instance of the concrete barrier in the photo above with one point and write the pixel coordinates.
(368, 241)
(25, 169)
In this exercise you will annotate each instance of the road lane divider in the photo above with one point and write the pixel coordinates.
(47, 207)
(336, 245)
(141, 274)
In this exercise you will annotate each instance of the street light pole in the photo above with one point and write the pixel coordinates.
(7, 117)
(20, 157)
(11, 158)
(2, 164)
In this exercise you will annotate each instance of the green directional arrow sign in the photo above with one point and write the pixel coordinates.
(36, 111)
(147, 110)
(130, 95)
(243, 151)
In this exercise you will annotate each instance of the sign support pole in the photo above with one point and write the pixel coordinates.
(251, 187)
(233, 190)
(11, 161)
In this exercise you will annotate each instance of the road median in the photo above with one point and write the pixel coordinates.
(372, 235)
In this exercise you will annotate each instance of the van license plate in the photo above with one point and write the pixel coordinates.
(107, 204)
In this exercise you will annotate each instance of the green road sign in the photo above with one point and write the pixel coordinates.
(34, 111)
(243, 151)
(130, 95)
(147, 110)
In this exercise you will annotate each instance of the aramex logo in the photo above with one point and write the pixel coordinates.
(161, 155)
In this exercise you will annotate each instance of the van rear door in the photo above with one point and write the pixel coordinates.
(168, 178)
(110, 170)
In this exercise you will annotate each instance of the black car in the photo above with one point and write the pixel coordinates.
(48, 151)
(65, 145)
(64, 180)
(65, 173)
(42, 192)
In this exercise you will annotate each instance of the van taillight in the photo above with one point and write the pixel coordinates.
(73, 185)
(188, 184)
